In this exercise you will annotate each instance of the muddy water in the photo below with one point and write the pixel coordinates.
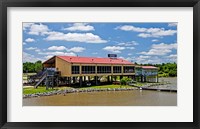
(113, 98)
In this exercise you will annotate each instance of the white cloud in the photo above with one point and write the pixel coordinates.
(30, 58)
(63, 48)
(38, 29)
(114, 49)
(160, 49)
(80, 27)
(154, 40)
(147, 59)
(37, 50)
(57, 48)
(48, 57)
(164, 46)
(129, 54)
(132, 43)
(57, 53)
(158, 34)
(31, 48)
(131, 48)
(131, 28)
(172, 58)
(75, 37)
(77, 49)
(172, 24)
(24, 43)
(30, 40)
(148, 32)
(27, 25)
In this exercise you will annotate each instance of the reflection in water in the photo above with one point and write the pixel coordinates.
(112, 98)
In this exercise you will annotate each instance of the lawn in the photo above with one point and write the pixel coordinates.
(27, 74)
(32, 90)
(42, 89)
(107, 86)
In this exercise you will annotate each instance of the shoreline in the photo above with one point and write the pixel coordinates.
(73, 90)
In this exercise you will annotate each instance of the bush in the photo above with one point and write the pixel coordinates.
(124, 80)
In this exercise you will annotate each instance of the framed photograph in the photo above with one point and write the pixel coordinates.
(107, 64)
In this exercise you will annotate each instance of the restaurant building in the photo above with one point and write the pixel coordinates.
(146, 73)
(74, 69)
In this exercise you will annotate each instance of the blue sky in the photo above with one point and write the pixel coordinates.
(137, 42)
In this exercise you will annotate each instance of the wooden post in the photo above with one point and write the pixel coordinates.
(108, 79)
(80, 81)
(96, 80)
(74, 79)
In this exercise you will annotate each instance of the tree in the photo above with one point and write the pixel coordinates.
(32, 67)
(124, 80)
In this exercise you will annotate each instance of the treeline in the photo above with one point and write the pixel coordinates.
(165, 69)
(29, 67)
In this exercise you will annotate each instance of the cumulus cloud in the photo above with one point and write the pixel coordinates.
(29, 40)
(57, 48)
(75, 37)
(132, 43)
(63, 48)
(77, 49)
(172, 24)
(114, 49)
(147, 59)
(154, 40)
(57, 53)
(148, 32)
(31, 48)
(36, 29)
(80, 27)
(27, 25)
(131, 48)
(30, 58)
(172, 58)
(160, 49)
(43, 30)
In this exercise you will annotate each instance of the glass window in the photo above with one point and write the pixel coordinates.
(117, 69)
(75, 69)
(128, 69)
(88, 69)
(103, 69)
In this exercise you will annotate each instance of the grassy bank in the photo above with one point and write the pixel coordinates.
(42, 89)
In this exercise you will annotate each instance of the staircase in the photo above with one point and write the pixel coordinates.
(40, 81)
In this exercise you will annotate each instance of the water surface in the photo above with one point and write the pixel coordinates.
(112, 98)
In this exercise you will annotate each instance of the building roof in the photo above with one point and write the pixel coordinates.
(149, 67)
(94, 60)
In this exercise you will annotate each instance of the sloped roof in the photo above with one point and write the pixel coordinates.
(94, 60)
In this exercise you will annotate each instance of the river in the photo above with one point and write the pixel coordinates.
(111, 98)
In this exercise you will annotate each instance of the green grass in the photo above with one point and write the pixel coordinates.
(27, 74)
(107, 86)
(32, 90)
(40, 89)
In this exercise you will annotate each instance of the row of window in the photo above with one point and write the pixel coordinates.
(101, 69)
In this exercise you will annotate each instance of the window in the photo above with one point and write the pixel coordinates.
(128, 69)
(103, 69)
(117, 69)
(75, 69)
(88, 69)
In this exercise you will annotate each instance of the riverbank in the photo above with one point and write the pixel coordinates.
(29, 92)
